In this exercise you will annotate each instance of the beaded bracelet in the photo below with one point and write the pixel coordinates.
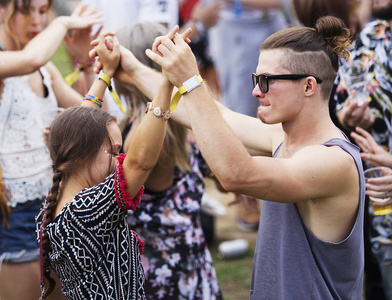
(94, 99)
(157, 111)
(112, 92)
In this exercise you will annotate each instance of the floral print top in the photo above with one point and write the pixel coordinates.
(176, 260)
(374, 45)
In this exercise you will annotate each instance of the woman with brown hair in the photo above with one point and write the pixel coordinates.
(85, 238)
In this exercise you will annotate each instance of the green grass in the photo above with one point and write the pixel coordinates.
(62, 60)
(234, 275)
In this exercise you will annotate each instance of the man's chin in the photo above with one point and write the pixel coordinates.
(264, 119)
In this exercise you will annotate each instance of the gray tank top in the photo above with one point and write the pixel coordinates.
(291, 263)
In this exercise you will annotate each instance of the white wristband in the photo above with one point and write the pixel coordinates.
(190, 84)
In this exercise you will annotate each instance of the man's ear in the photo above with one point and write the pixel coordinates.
(310, 86)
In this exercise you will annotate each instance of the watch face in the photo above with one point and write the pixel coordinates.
(157, 111)
(167, 115)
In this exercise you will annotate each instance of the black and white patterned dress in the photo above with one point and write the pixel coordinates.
(93, 251)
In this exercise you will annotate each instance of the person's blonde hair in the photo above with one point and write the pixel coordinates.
(137, 37)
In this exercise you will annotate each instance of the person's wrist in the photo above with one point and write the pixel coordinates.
(134, 69)
(109, 72)
(166, 84)
(190, 84)
(64, 21)
(134, 75)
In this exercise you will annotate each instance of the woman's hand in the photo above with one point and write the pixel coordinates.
(82, 17)
(372, 152)
(128, 62)
(109, 57)
(128, 65)
(78, 40)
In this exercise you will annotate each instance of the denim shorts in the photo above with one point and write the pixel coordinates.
(18, 243)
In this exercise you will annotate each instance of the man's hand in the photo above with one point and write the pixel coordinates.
(174, 55)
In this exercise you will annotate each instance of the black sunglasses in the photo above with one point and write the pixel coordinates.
(263, 80)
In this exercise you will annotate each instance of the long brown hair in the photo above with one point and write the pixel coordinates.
(314, 51)
(75, 138)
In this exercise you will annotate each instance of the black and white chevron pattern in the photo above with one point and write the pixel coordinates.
(94, 253)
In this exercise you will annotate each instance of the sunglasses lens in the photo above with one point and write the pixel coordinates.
(261, 80)
(263, 83)
(254, 80)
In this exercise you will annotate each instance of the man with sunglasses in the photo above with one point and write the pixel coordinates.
(310, 239)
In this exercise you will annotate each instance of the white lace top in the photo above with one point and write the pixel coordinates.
(24, 158)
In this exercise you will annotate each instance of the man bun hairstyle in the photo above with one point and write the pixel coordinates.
(313, 51)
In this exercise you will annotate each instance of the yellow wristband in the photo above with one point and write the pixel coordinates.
(188, 86)
(70, 79)
(105, 78)
(112, 92)
(116, 98)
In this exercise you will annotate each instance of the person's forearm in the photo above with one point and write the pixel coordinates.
(221, 148)
(146, 80)
(97, 90)
(36, 53)
(42, 48)
(146, 144)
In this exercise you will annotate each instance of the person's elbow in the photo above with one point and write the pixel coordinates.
(33, 62)
(231, 182)
(140, 165)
